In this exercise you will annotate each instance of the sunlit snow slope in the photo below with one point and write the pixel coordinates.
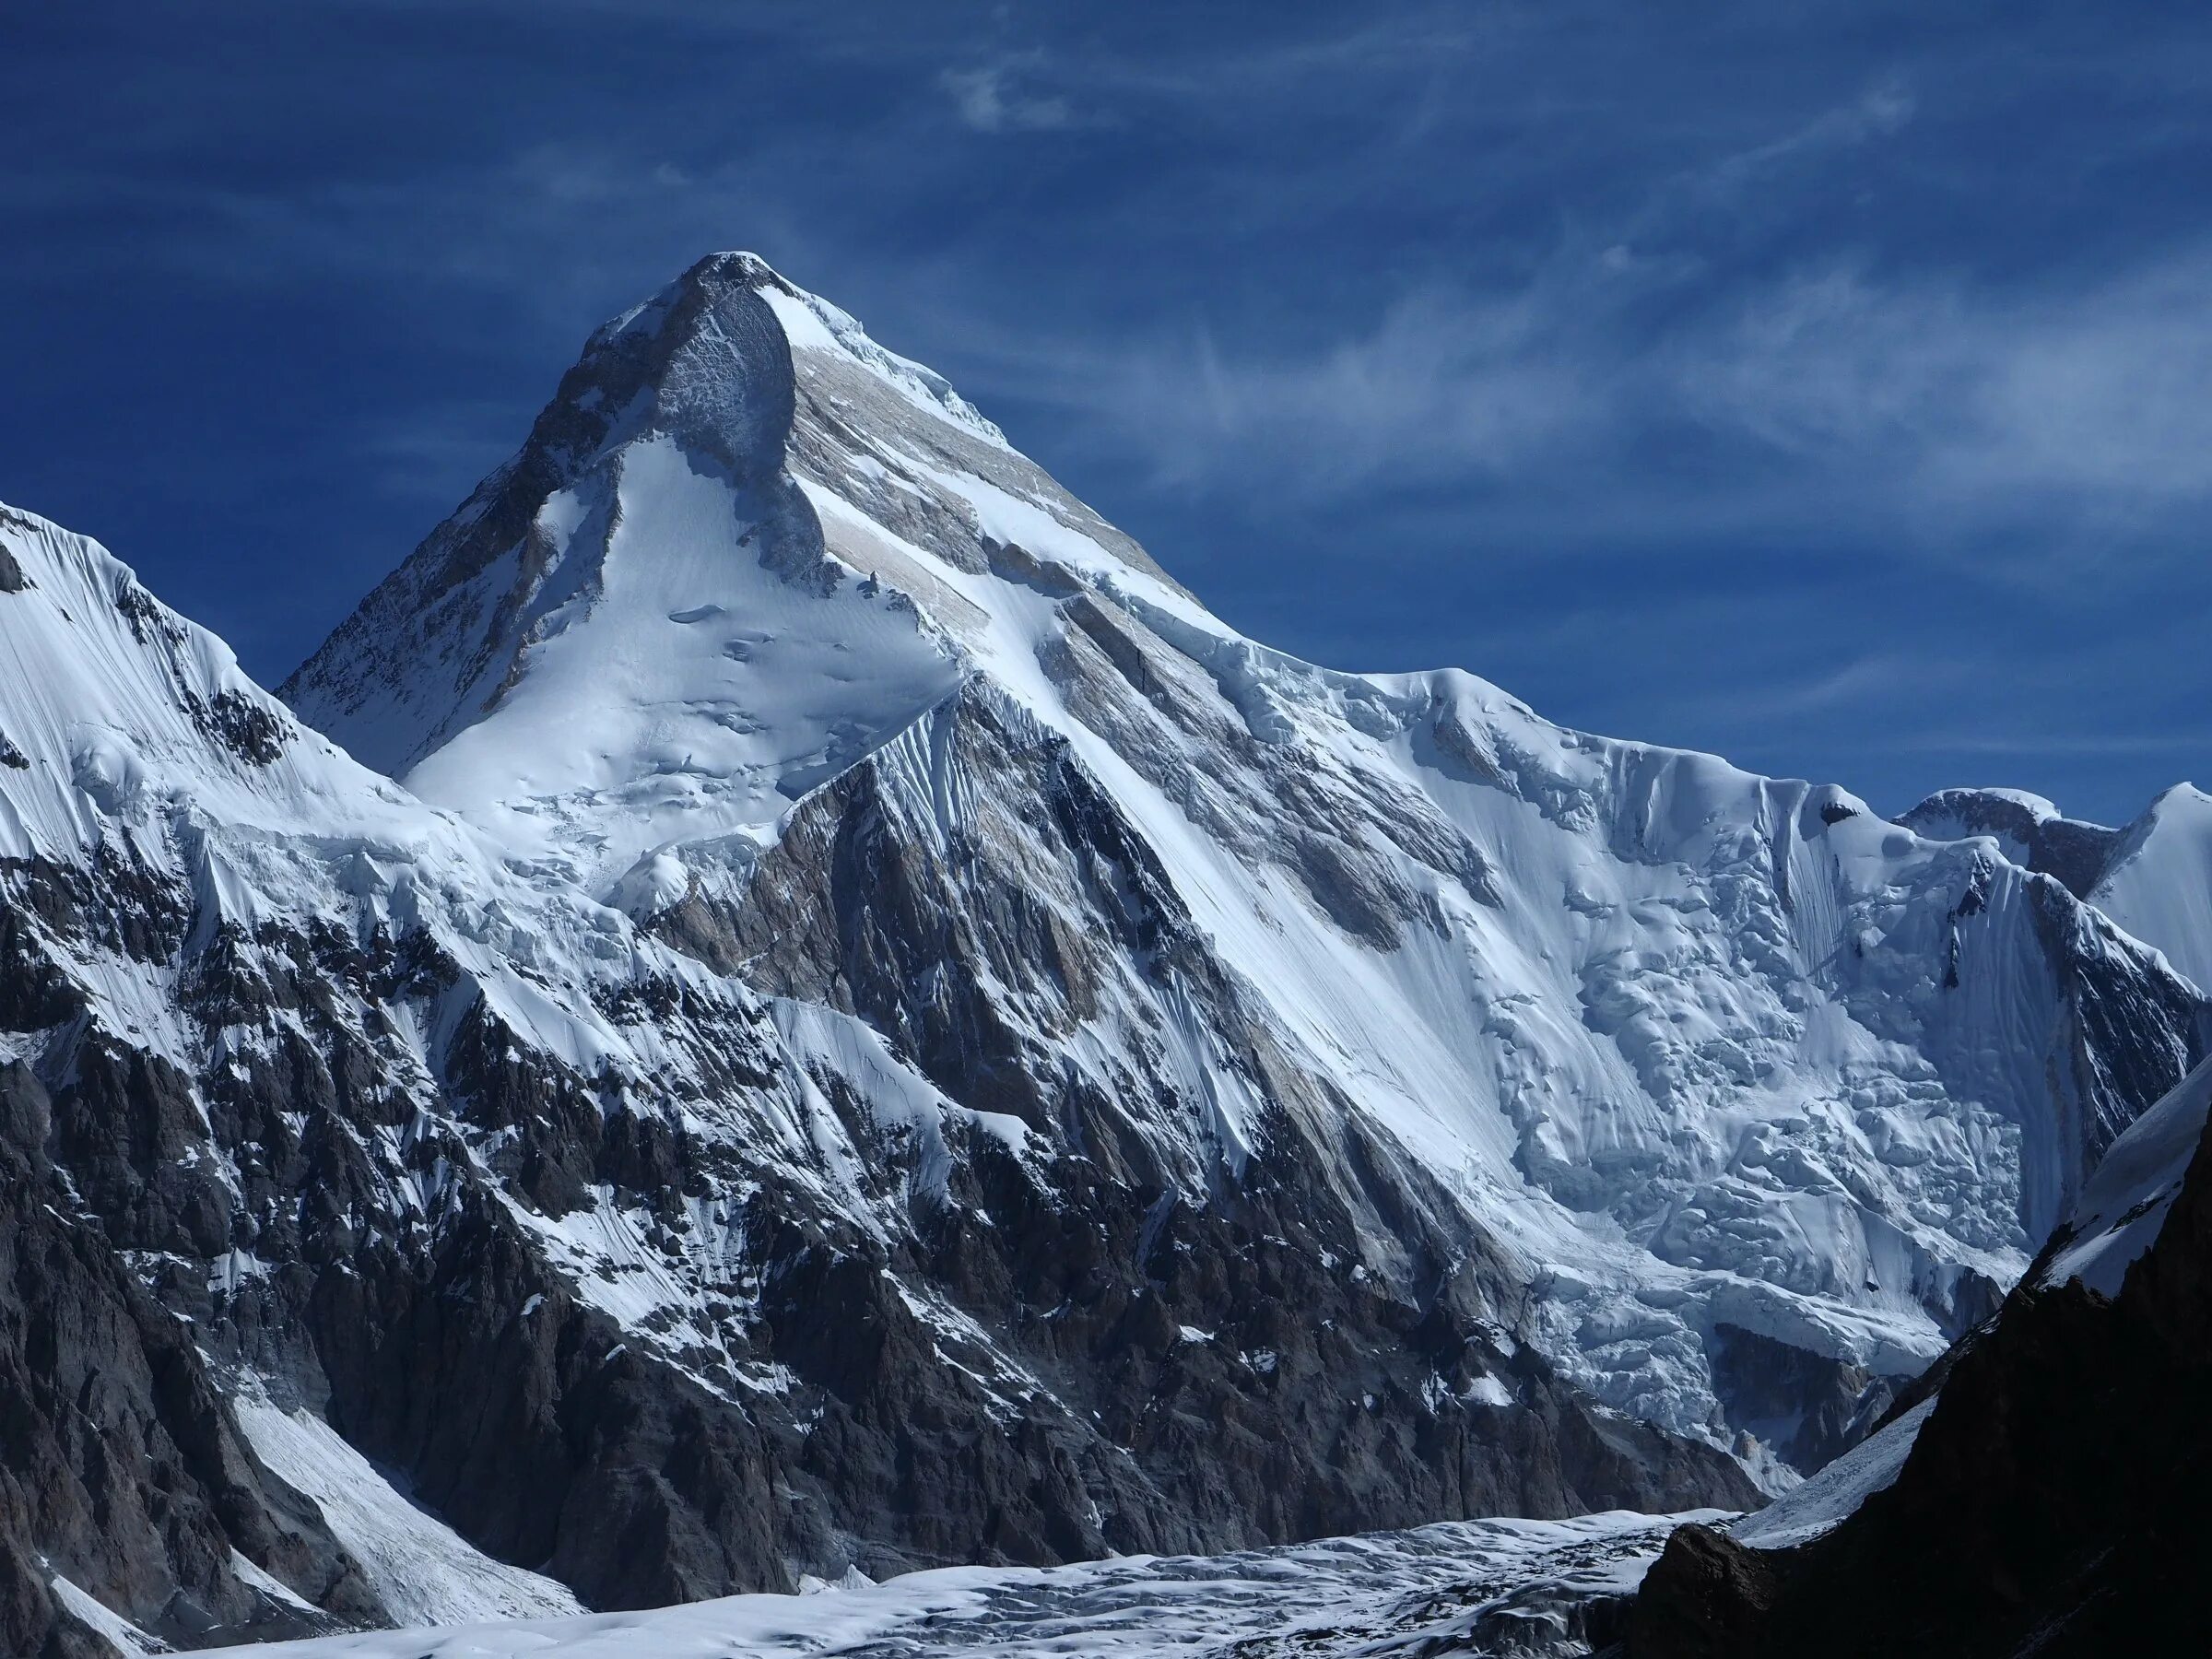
(2123, 1206)
(2158, 883)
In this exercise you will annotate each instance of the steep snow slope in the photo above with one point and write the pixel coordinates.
(421, 1570)
(2158, 881)
(2124, 1206)
(1836, 1493)
(139, 744)
(1711, 1053)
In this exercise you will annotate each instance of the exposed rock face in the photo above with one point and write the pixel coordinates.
(2034, 832)
(1707, 1596)
(705, 364)
(1810, 1408)
(878, 1033)
(118, 1467)
(2052, 1504)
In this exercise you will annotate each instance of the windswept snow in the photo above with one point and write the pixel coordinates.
(1834, 1494)
(812, 324)
(122, 1638)
(686, 689)
(115, 709)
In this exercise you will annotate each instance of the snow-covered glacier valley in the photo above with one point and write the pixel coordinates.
(782, 1003)
(1531, 1585)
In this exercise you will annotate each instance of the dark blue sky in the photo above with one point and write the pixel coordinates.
(1826, 385)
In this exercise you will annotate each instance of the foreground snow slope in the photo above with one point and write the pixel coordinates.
(1389, 1593)
(1706, 1050)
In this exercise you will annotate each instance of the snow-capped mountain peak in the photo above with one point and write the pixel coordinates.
(743, 546)
(866, 1028)
(2157, 881)
(2152, 876)
(111, 702)
(2029, 830)
(1708, 1050)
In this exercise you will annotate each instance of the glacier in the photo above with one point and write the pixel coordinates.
(2041, 1492)
(1528, 1584)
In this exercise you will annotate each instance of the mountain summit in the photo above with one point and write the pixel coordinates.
(768, 637)
(866, 1028)
(667, 616)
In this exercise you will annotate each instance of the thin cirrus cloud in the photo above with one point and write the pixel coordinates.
(2098, 389)
(1929, 401)
(992, 98)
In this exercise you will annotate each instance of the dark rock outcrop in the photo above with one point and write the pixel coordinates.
(2053, 1504)
(119, 1469)
(2073, 852)
(1811, 1408)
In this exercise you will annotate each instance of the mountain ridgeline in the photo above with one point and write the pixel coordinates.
(782, 1000)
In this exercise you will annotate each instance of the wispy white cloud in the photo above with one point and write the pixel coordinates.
(991, 97)
(2184, 744)
(1970, 401)
(1880, 112)
(1937, 403)
(2099, 391)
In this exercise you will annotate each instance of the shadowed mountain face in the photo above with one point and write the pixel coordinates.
(871, 1030)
